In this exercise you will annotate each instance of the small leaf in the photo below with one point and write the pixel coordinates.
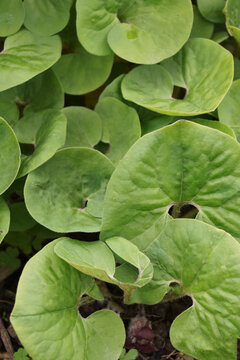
(65, 195)
(10, 155)
(12, 15)
(21, 354)
(203, 68)
(20, 218)
(212, 10)
(229, 109)
(97, 260)
(232, 13)
(84, 126)
(47, 17)
(25, 55)
(201, 27)
(9, 258)
(4, 219)
(46, 316)
(121, 126)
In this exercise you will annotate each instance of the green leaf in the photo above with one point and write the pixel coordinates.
(220, 36)
(21, 354)
(49, 138)
(4, 219)
(215, 125)
(203, 68)
(10, 155)
(20, 218)
(103, 26)
(232, 13)
(46, 17)
(9, 258)
(56, 193)
(121, 126)
(229, 109)
(161, 170)
(11, 18)
(212, 10)
(205, 262)
(97, 260)
(25, 55)
(130, 355)
(84, 126)
(46, 316)
(88, 71)
(201, 27)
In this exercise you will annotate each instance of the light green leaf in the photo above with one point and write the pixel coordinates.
(20, 218)
(21, 354)
(121, 126)
(10, 155)
(49, 138)
(229, 109)
(161, 170)
(11, 16)
(220, 36)
(105, 25)
(65, 195)
(130, 355)
(25, 55)
(212, 10)
(97, 260)
(232, 13)
(205, 262)
(9, 112)
(4, 219)
(46, 316)
(201, 27)
(84, 126)
(215, 125)
(46, 17)
(155, 123)
(202, 67)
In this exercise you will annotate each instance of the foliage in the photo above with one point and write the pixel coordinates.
(120, 118)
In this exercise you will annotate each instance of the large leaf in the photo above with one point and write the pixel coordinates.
(97, 260)
(205, 263)
(201, 27)
(161, 170)
(12, 15)
(229, 109)
(232, 13)
(10, 155)
(212, 10)
(84, 126)
(46, 17)
(4, 219)
(25, 55)
(66, 193)
(137, 31)
(46, 316)
(202, 67)
(49, 138)
(121, 126)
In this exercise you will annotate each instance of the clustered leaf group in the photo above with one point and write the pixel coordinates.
(150, 137)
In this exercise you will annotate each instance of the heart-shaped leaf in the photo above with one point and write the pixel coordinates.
(162, 172)
(25, 55)
(203, 68)
(105, 25)
(205, 263)
(232, 13)
(66, 193)
(84, 126)
(10, 155)
(46, 316)
(97, 260)
(229, 109)
(49, 138)
(12, 15)
(46, 17)
(121, 126)
(212, 10)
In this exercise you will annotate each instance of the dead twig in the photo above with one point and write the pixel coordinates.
(6, 340)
